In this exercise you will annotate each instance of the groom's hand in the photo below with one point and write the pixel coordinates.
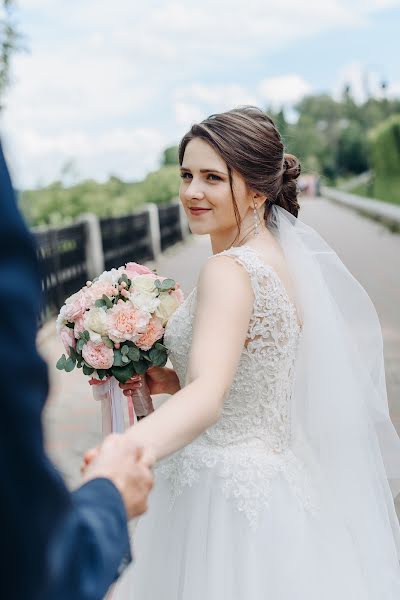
(127, 466)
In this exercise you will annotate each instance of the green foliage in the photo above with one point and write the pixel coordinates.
(170, 156)
(57, 204)
(384, 156)
(330, 137)
(352, 149)
(165, 285)
(385, 147)
(385, 188)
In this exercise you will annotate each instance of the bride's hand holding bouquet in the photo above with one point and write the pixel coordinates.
(160, 380)
(113, 328)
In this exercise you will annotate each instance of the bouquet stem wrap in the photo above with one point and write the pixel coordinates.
(141, 399)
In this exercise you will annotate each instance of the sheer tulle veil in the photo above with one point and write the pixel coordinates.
(339, 410)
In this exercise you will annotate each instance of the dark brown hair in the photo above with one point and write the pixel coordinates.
(250, 144)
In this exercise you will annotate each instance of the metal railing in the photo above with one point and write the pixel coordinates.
(62, 262)
(170, 228)
(66, 254)
(126, 239)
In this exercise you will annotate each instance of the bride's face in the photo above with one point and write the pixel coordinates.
(205, 184)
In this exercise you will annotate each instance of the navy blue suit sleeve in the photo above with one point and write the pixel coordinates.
(44, 527)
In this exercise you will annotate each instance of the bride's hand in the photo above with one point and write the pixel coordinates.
(148, 456)
(161, 380)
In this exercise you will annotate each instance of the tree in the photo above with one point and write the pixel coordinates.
(9, 42)
(170, 156)
(352, 150)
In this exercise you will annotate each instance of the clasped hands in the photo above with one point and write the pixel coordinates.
(128, 465)
(120, 459)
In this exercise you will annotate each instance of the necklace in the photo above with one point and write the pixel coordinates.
(238, 246)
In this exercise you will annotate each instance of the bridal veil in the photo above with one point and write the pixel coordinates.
(339, 410)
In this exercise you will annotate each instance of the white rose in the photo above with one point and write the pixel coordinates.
(111, 277)
(144, 283)
(96, 323)
(167, 306)
(144, 301)
(61, 320)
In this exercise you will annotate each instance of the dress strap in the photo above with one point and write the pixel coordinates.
(263, 277)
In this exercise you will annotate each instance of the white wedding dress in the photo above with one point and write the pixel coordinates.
(237, 514)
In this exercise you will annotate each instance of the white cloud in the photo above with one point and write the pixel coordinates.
(194, 102)
(364, 81)
(186, 113)
(38, 159)
(285, 89)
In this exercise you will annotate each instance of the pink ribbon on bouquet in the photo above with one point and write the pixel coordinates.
(112, 402)
(108, 392)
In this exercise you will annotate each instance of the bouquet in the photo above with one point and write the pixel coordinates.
(112, 329)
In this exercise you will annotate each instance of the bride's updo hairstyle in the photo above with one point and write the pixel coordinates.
(250, 144)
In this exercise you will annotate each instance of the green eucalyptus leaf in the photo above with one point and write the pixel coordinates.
(100, 303)
(158, 357)
(85, 335)
(125, 349)
(69, 364)
(61, 363)
(167, 284)
(160, 346)
(125, 359)
(140, 366)
(107, 301)
(134, 353)
(102, 373)
(74, 354)
(70, 325)
(123, 373)
(80, 343)
(117, 358)
(87, 370)
(107, 342)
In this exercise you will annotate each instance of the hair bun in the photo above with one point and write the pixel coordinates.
(291, 167)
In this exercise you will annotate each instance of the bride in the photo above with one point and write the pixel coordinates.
(276, 459)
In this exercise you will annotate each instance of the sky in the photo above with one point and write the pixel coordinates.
(108, 85)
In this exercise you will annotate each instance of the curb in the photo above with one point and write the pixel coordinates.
(384, 212)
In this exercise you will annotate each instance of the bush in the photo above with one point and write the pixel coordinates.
(57, 204)
(385, 147)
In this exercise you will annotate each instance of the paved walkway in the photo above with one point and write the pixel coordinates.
(371, 252)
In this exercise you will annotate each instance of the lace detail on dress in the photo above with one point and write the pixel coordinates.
(250, 443)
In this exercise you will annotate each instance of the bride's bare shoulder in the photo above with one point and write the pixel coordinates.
(224, 276)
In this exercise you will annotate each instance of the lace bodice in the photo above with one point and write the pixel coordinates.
(251, 442)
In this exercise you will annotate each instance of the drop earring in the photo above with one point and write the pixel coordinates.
(255, 219)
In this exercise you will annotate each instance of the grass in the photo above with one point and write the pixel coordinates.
(380, 188)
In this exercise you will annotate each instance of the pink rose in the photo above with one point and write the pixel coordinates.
(96, 291)
(74, 307)
(68, 339)
(98, 356)
(154, 332)
(178, 294)
(79, 326)
(125, 322)
(133, 269)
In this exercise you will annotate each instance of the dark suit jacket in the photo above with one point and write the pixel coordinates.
(54, 545)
